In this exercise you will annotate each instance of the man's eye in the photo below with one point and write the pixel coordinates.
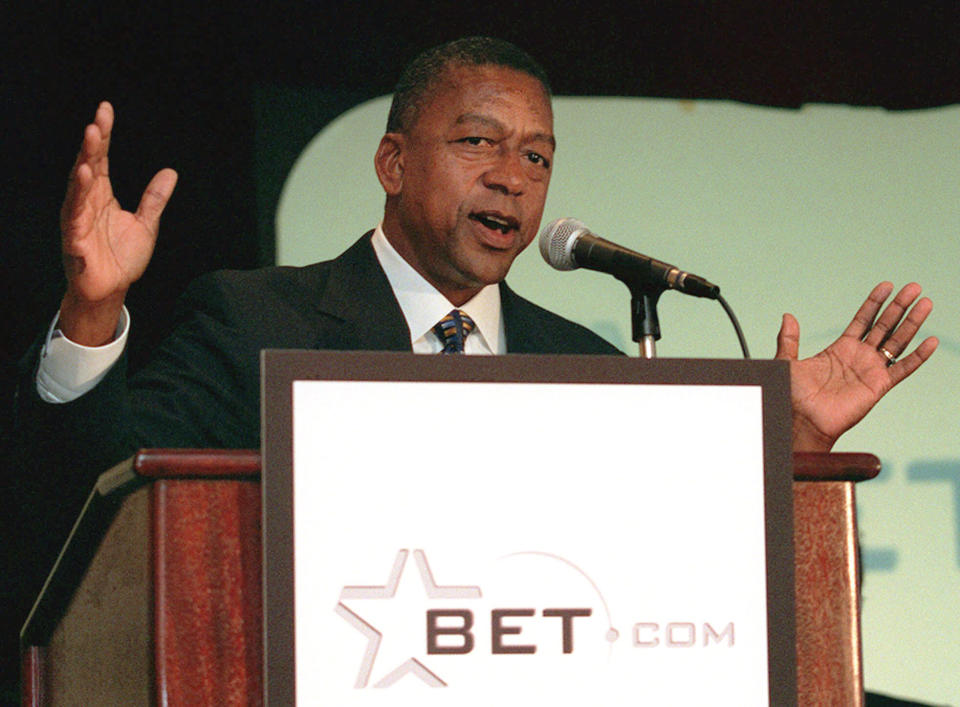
(537, 158)
(474, 140)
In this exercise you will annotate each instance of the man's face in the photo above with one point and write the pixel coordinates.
(473, 172)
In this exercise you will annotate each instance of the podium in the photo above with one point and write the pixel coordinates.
(156, 596)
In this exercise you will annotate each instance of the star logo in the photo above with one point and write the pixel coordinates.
(404, 655)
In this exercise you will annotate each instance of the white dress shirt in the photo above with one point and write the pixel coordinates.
(423, 306)
(68, 370)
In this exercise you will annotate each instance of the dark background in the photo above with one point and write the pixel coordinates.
(188, 85)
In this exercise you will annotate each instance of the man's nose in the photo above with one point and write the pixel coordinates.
(506, 174)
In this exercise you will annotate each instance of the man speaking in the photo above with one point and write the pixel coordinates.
(465, 164)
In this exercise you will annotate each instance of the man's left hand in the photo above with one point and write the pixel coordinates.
(832, 391)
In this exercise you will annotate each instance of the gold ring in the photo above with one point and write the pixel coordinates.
(891, 359)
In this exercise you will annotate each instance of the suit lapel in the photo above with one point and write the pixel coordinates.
(525, 333)
(359, 312)
(361, 302)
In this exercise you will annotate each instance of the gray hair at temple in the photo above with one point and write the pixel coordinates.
(422, 74)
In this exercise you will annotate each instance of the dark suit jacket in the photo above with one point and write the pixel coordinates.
(202, 387)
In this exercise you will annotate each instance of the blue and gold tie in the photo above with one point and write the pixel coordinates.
(452, 331)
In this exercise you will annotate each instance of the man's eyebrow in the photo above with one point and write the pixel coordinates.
(497, 125)
(479, 118)
(547, 138)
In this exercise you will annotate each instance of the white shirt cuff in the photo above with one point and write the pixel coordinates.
(68, 370)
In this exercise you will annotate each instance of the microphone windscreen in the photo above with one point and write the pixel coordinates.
(557, 239)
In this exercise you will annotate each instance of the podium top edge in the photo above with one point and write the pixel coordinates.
(835, 466)
(197, 463)
(234, 463)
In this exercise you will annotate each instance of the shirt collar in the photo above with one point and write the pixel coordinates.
(423, 305)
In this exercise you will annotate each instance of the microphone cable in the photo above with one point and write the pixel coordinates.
(736, 325)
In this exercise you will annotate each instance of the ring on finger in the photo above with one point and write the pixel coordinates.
(891, 359)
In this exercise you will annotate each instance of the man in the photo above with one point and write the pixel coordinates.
(465, 164)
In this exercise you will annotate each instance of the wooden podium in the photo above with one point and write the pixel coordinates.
(156, 596)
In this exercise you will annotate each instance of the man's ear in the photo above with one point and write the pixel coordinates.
(389, 163)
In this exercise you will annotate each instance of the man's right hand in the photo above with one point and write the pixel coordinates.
(105, 249)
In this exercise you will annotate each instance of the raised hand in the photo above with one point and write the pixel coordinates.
(833, 390)
(105, 249)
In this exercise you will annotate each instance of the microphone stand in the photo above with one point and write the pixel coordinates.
(643, 316)
(646, 324)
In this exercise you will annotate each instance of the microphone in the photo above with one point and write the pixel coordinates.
(567, 244)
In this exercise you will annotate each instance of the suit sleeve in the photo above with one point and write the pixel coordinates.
(200, 389)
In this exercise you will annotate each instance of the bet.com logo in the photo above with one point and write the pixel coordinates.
(416, 627)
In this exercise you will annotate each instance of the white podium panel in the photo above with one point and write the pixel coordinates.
(516, 540)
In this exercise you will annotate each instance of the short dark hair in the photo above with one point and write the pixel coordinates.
(422, 74)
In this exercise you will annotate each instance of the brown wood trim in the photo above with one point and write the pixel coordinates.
(31, 677)
(829, 649)
(207, 608)
(834, 466)
(197, 463)
(218, 463)
(158, 567)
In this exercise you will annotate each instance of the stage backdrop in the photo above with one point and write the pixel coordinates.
(801, 211)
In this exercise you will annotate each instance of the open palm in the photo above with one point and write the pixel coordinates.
(833, 390)
(105, 249)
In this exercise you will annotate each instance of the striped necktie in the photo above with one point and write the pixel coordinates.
(452, 331)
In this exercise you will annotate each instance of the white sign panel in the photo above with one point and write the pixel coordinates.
(528, 543)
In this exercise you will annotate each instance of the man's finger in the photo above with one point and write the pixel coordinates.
(89, 143)
(155, 198)
(897, 342)
(94, 149)
(908, 364)
(863, 319)
(103, 121)
(890, 319)
(75, 201)
(788, 339)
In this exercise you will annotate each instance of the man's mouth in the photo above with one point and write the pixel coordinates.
(496, 222)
